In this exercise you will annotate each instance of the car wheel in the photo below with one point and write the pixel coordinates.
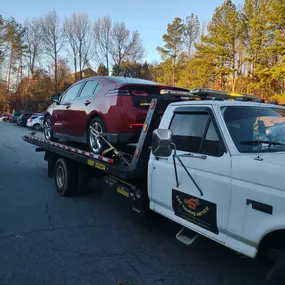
(95, 142)
(37, 127)
(48, 132)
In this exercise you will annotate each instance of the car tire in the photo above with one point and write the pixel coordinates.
(95, 144)
(48, 132)
(65, 176)
(276, 275)
(36, 127)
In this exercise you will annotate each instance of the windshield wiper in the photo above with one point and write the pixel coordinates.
(261, 142)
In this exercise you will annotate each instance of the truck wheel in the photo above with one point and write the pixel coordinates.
(276, 275)
(65, 174)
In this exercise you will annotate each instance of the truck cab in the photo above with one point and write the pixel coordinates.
(219, 171)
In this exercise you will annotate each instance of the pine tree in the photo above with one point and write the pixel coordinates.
(173, 44)
(222, 41)
(102, 70)
(191, 32)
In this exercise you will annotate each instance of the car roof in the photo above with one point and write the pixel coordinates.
(226, 103)
(119, 80)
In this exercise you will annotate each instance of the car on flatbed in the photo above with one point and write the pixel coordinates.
(113, 105)
(204, 167)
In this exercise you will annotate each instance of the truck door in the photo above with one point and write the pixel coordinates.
(201, 148)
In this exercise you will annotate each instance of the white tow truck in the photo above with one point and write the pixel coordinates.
(215, 167)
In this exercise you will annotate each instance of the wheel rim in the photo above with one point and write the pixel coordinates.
(47, 129)
(96, 140)
(60, 177)
(37, 127)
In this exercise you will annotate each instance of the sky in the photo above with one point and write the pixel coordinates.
(149, 17)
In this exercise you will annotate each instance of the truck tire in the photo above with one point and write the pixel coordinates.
(65, 175)
(276, 275)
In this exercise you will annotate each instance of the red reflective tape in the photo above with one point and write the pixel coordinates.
(69, 148)
(110, 161)
(76, 150)
(58, 144)
(91, 154)
(83, 152)
(100, 157)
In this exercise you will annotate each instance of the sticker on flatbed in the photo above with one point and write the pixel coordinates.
(195, 210)
(122, 190)
(100, 166)
(90, 162)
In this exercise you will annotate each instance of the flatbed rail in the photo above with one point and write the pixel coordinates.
(109, 165)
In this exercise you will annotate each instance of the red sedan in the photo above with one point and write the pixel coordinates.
(116, 106)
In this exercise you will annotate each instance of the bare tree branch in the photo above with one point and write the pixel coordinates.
(33, 40)
(102, 32)
(125, 45)
(53, 39)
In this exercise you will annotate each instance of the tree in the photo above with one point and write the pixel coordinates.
(102, 70)
(126, 45)
(33, 40)
(133, 69)
(191, 32)
(14, 40)
(78, 34)
(102, 33)
(53, 40)
(222, 41)
(173, 44)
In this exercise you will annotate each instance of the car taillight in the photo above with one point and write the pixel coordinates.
(30, 121)
(139, 93)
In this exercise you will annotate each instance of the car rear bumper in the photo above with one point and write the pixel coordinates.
(122, 138)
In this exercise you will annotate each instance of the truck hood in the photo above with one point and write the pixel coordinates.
(268, 172)
(277, 158)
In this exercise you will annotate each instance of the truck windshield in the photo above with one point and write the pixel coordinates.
(254, 129)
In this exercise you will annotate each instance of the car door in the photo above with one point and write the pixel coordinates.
(82, 105)
(202, 205)
(62, 116)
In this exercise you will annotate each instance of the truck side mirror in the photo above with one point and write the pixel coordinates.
(162, 142)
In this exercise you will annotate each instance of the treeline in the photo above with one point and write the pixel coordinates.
(242, 50)
(38, 56)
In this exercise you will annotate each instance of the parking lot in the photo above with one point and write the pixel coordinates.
(47, 239)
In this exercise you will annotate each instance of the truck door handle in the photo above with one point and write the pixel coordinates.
(87, 103)
(67, 107)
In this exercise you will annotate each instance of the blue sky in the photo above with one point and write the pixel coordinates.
(149, 17)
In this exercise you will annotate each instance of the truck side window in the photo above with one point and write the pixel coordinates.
(193, 132)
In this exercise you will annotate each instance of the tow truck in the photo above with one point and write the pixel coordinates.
(189, 167)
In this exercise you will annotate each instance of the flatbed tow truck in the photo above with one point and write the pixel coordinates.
(187, 167)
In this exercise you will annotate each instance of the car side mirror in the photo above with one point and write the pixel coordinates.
(55, 98)
(162, 142)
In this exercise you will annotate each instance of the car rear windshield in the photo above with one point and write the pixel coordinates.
(131, 80)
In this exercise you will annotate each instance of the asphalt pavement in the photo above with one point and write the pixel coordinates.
(86, 239)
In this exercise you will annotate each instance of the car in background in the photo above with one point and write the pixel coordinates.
(4, 117)
(22, 120)
(14, 117)
(113, 105)
(35, 122)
